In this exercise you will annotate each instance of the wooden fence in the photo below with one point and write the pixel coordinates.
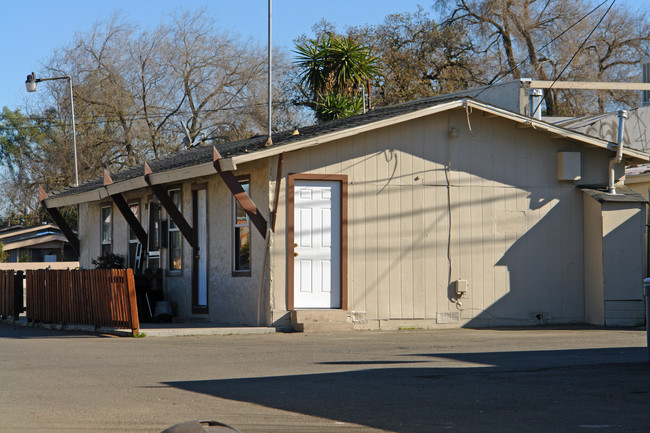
(11, 294)
(103, 298)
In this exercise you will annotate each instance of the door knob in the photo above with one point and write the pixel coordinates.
(295, 254)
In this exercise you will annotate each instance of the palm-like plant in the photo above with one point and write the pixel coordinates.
(311, 60)
(352, 65)
(337, 105)
(333, 69)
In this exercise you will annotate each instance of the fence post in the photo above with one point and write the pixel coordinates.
(18, 306)
(133, 302)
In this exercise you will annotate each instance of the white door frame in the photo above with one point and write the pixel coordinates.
(343, 181)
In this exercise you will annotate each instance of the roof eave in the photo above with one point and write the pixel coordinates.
(204, 169)
(634, 156)
(74, 199)
(337, 135)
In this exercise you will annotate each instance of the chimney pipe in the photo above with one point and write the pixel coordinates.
(622, 115)
(536, 103)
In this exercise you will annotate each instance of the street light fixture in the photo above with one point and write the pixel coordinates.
(31, 86)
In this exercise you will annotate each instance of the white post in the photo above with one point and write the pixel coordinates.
(74, 136)
(270, 72)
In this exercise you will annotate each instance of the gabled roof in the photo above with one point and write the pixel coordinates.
(198, 161)
(20, 237)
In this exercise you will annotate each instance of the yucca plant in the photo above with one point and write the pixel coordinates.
(334, 69)
(337, 105)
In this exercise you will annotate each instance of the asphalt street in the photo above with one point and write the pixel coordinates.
(462, 380)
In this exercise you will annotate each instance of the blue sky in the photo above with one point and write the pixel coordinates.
(31, 30)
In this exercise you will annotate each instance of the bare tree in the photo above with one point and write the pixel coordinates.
(555, 39)
(416, 57)
(419, 57)
(139, 93)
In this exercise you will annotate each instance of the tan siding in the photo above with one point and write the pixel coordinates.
(385, 293)
(430, 242)
(516, 232)
(594, 287)
(418, 233)
(368, 224)
(483, 292)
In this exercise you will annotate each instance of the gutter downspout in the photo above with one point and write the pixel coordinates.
(622, 115)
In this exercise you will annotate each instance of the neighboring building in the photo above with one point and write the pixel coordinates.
(434, 213)
(44, 243)
(635, 136)
(605, 126)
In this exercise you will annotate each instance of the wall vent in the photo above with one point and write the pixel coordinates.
(448, 317)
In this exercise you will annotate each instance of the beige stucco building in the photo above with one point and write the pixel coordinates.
(436, 213)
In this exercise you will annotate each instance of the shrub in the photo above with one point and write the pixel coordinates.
(109, 261)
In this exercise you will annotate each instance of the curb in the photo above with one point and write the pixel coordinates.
(148, 332)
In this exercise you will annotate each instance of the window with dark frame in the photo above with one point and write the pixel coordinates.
(107, 229)
(153, 254)
(175, 251)
(242, 234)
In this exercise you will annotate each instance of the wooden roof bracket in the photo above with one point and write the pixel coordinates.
(126, 212)
(60, 221)
(165, 200)
(240, 195)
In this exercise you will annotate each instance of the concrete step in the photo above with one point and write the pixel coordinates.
(315, 327)
(320, 321)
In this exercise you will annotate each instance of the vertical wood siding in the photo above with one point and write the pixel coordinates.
(426, 209)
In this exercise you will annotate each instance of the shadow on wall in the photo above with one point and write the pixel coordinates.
(539, 282)
(562, 391)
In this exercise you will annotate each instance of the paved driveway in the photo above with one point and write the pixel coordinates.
(516, 380)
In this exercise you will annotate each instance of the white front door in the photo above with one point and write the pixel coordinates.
(317, 244)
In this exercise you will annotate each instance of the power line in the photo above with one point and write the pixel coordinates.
(574, 55)
(545, 46)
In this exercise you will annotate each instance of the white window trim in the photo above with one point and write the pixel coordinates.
(108, 241)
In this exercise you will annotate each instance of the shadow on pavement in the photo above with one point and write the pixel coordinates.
(534, 391)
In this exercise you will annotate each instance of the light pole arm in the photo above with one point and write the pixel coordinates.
(30, 85)
(65, 77)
